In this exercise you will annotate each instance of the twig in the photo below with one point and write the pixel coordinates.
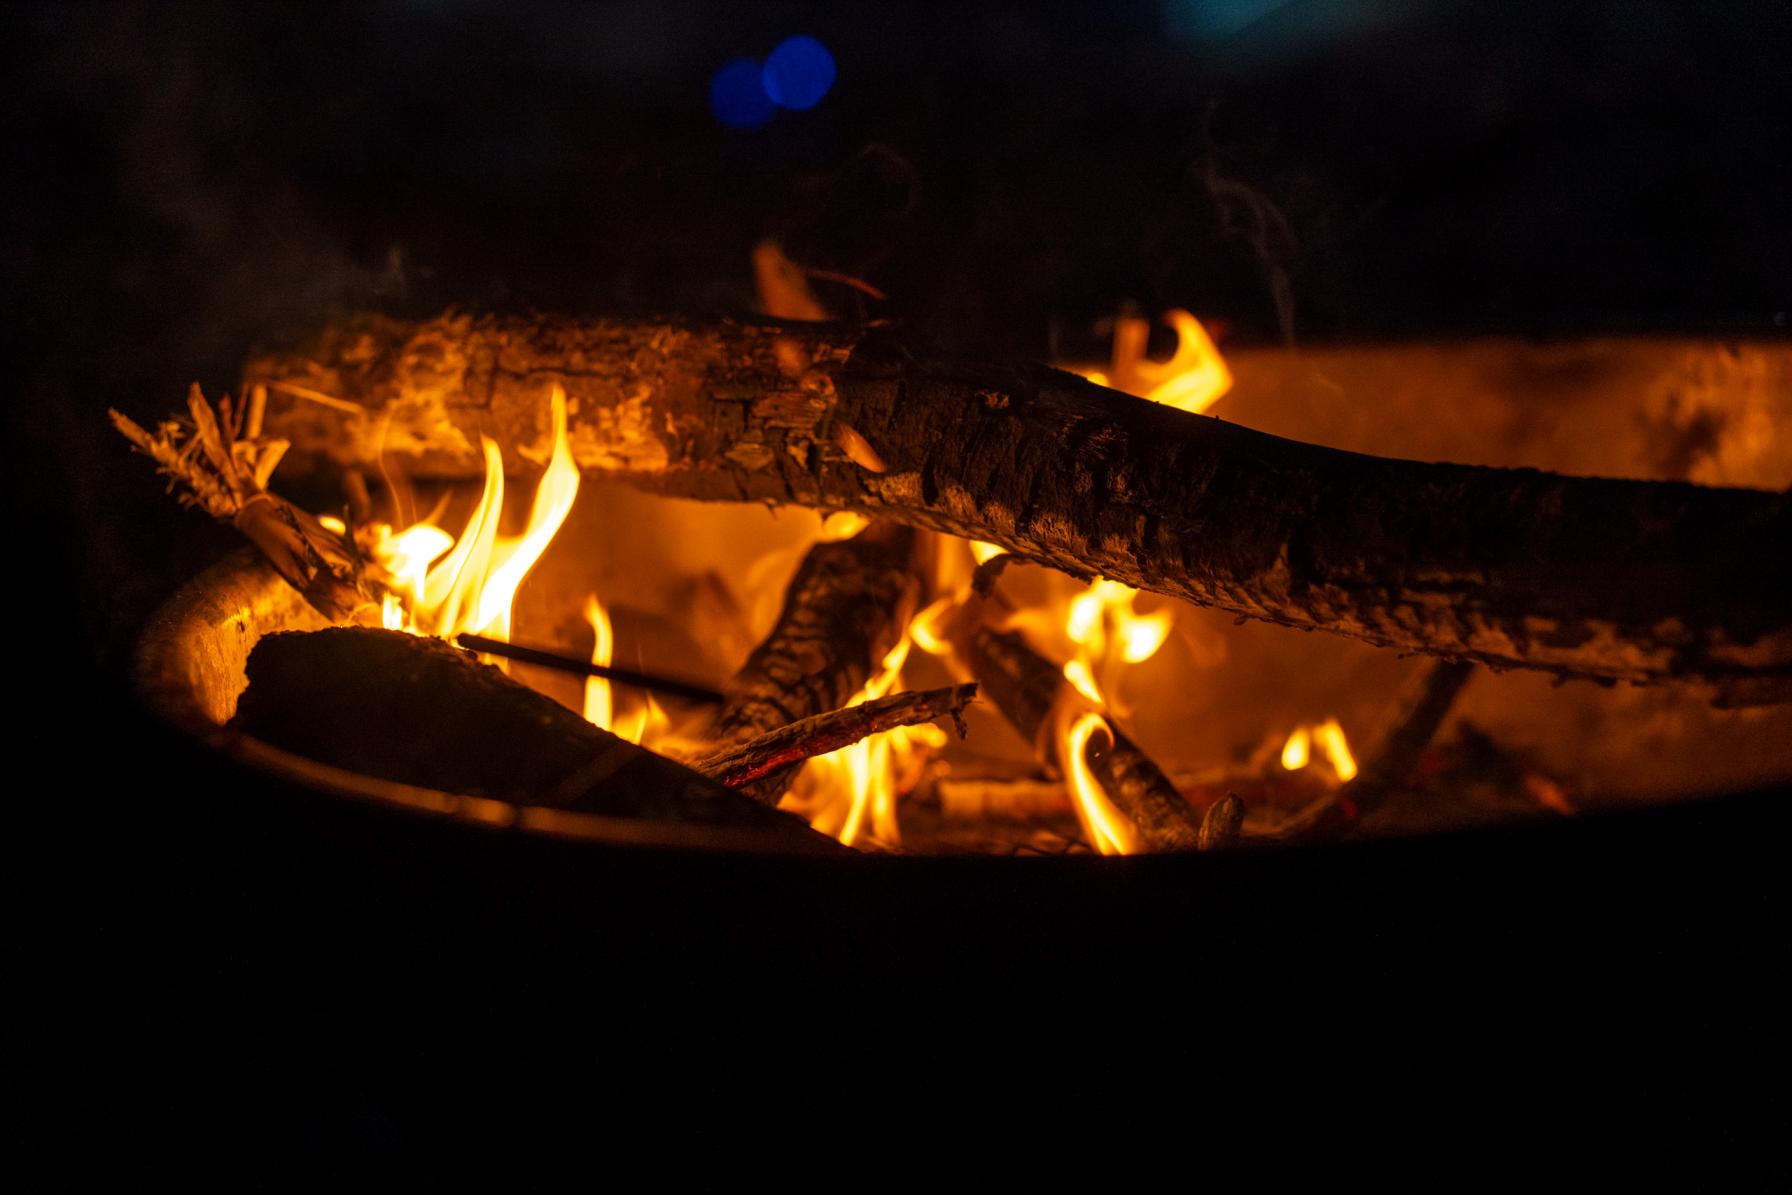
(221, 464)
(740, 766)
(563, 663)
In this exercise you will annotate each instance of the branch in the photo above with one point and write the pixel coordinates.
(741, 765)
(1614, 580)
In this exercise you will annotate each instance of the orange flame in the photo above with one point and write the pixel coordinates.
(1193, 379)
(1108, 830)
(445, 585)
(598, 705)
(1105, 633)
(856, 786)
(1328, 737)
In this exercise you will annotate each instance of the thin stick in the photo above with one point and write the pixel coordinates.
(738, 767)
(523, 654)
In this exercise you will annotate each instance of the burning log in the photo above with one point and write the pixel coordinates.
(1613, 580)
(843, 612)
(415, 710)
(743, 767)
(1027, 688)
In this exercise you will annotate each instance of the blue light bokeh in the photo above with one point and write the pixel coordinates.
(798, 73)
(737, 95)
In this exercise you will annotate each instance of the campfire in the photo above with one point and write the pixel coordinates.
(796, 585)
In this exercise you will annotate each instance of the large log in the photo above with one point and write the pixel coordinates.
(1615, 580)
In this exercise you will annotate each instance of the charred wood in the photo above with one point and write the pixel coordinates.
(418, 711)
(844, 610)
(746, 766)
(1614, 580)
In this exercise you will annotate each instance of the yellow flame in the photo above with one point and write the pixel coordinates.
(1107, 829)
(644, 720)
(1141, 637)
(853, 793)
(1084, 619)
(1328, 737)
(983, 552)
(512, 559)
(1104, 632)
(843, 524)
(1298, 749)
(599, 709)
(924, 631)
(446, 585)
(857, 783)
(1195, 376)
(1082, 680)
(1193, 379)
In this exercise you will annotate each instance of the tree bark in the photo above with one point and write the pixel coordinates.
(1614, 580)
(844, 610)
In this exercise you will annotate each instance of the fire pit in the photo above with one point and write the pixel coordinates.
(1210, 720)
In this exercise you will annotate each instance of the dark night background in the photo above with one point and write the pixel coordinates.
(205, 962)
